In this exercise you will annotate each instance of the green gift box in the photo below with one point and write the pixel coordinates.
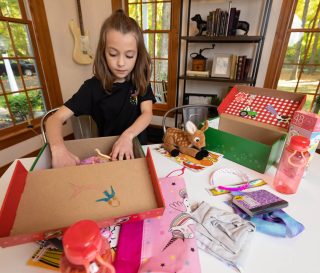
(253, 124)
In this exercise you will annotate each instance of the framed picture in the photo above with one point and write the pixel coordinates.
(221, 66)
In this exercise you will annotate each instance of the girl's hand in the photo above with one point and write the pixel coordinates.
(123, 148)
(61, 157)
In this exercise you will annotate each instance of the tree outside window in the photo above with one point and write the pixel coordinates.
(24, 83)
(298, 47)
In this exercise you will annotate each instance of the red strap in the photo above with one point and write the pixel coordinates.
(181, 170)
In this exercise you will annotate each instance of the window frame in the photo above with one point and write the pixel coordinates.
(159, 109)
(280, 44)
(47, 71)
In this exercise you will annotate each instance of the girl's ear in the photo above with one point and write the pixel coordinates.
(205, 126)
(190, 127)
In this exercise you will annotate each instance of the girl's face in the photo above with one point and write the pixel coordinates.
(121, 53)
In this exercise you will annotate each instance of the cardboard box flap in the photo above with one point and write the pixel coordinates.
(244, 129)
(53, 200)
(12, 199)
(269, 107)
(83, 149)
(154, 179)
(88, 149)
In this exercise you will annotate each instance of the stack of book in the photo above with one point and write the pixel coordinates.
(223, 23)
(193, 73)
(240, 67)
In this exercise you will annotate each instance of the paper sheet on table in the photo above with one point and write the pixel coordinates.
(190, 162)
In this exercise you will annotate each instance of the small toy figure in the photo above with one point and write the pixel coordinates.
(280, 118)
(247, 111)
(201, 24)
(190, 142)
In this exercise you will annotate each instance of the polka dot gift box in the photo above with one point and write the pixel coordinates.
(253, 125)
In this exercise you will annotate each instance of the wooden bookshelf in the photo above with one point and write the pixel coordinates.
(214, 79)
(222, 39)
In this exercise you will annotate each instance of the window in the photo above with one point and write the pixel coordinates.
(25, 95)
(159, 23)
(295, 65)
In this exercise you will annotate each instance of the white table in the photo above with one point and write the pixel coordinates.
(267, 254)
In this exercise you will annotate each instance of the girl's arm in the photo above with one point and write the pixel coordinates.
(122, 149)
(61, 157)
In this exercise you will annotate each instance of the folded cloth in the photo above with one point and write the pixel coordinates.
(276, 223)
(223, 234)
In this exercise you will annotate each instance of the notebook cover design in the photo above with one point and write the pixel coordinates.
(258, 202)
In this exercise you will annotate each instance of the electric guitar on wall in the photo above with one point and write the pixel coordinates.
(81, 51)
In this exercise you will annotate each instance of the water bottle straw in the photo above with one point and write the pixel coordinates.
(105, 264)
(297, 165)
(86, 266)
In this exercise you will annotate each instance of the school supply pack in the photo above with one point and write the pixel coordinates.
(258, 202)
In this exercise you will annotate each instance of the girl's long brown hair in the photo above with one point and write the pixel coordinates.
(140, 75)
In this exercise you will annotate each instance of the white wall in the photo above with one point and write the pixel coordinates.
(71, 75)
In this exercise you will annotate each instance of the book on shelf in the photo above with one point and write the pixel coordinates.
(242, 67)
(216, 27)
(224, 23)
(209, 23)
(239, 67)
(233, 66)
(193, 73)
(258, 202)
(231, 20)
(247, 67)
(234, 22)
(228, 18)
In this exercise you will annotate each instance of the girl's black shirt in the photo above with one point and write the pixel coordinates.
(113, 113)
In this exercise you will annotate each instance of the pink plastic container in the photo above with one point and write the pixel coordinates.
(292, 165)
(85, 250)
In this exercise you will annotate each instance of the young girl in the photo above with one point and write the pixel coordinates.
(119, 96)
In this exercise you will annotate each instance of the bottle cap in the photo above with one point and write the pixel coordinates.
(299, 143)
(82, 241)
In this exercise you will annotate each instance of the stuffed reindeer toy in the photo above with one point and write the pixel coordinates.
(190, 142)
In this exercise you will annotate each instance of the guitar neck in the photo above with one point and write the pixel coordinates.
(80, 17)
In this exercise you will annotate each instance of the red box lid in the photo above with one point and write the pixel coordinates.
(263, 105)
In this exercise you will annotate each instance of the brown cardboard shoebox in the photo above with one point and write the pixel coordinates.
(43, 202)
(253, 125)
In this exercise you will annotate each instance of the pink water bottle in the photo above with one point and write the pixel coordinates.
(85, 250)
(292, 165)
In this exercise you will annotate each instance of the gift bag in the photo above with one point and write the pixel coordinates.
(162, 244)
